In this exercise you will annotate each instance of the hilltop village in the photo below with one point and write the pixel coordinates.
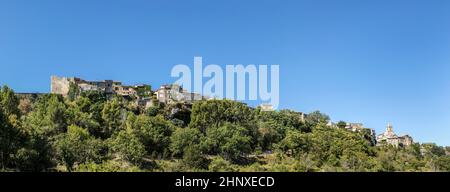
(106, 125)
(142, 94)
(145, 97)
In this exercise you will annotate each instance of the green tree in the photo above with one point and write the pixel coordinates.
(432, 149)
(76, 147)
(305, 162)
(329, 144)
(273, 126)
(354, 160)
(9, 103)
(154, 133)
(10, 134)
(295, 143)
(95, 103)
(8, 140)
(179, 113)
(49, 117)
(128, 147)
(79, 113)
(112, 117)
(317, 117)
(107, 166)
(341, 124)
(229, 140)
(152, 111)
(269, 133)
(22, 147)
(56, 113)
(288, 119)
(214, 113)
(25, 106)
(218, 164)
(386, 157)
(443, 163)
(194, 158)
(35, 155)
(74, 91)
(182, 138)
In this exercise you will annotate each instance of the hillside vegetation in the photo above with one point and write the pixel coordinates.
(91, 133)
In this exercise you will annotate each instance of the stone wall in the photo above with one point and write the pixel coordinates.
(60, 85)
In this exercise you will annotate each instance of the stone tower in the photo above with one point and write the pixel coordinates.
(389, 131)
(60, 85)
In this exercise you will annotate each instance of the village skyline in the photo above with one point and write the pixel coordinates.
(145, 96)
(360, 61)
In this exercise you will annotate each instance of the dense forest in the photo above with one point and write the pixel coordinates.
(89, 132)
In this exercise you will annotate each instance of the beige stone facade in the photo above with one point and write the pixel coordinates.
(354, 126)
(60, 85)
(266, 107)
(142, 93)
(174, 93)
(390, 138)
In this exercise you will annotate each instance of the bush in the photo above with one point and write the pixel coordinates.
(128, 147)
(107, 166)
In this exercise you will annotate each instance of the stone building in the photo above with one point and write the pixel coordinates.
(266, 107)
(168, 93)
(354, 126)
(349, 126)
(173, 93)
(390, 138)
(61, 85)
(141, 93)
(302, 117)
(358, 127)
(125, 90)
(138, 91)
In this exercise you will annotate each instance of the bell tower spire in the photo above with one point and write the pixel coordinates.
(389, 127)
(389, 131)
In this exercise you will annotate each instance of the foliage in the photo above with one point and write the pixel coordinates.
(144, 91)
(91, 132)
(9, 102)
(183, 138)
(74, 91)
(128, 147)
(8, 142)
(341, 124)
(10, 134)
(107, 166)
(35, 154)
(77, 146)
(221, 165)
(316, 118)
(112, 117)
(49, 117)
(229, 140)
(194, 158)
(214, 113)
(154, 133)
(178, 113)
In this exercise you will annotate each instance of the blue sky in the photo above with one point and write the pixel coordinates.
(356, 60)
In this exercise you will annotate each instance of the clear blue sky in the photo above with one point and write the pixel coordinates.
(369, 61)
